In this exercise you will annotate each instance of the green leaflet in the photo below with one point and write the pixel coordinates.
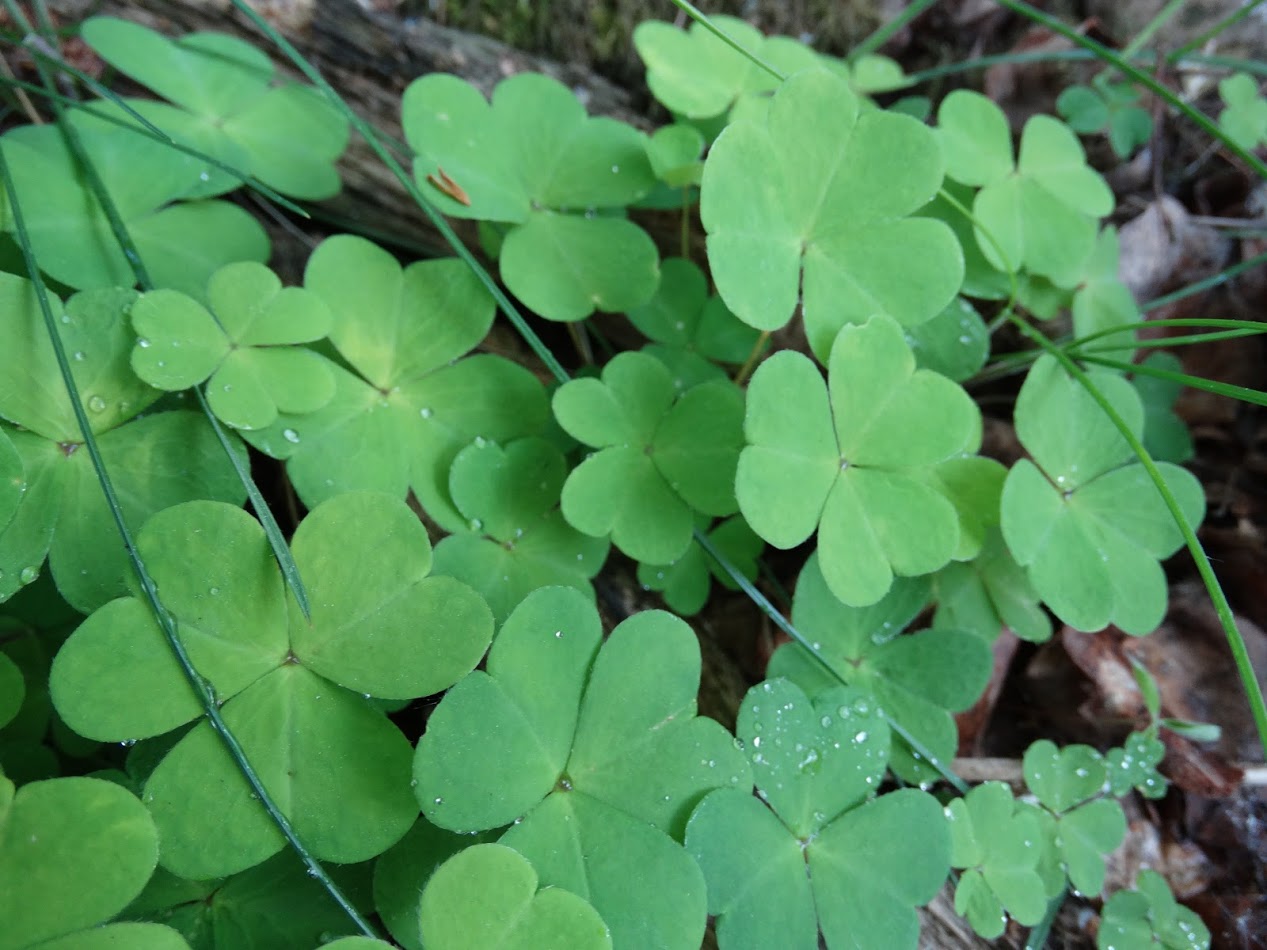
(660, 456)
(244, 346)
(856, 459)
(598, 747)
(287, 136)
(1038, 212)
(1083, 516)
(917, 679)
(1244, 119)
(1149, 916)
(289, 687)
(398, 420)
(181, 242)
(486, 898)
(685, 583)
(533, 160)
(159, 460)
(824, 855)
(518, 540)
(697, 75)
(73, 853)
(809, 203)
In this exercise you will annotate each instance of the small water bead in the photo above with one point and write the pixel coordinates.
(558, 634)
(439, 800)
(425, 413)
(825, 722)
(142, 342)
(97, 404)
(28, 575)
(80, 356)
(615, 169)
(203, 176)
(475, 524)
(860, 737)
(290, 435)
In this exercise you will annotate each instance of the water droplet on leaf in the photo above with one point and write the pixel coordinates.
(290, 435)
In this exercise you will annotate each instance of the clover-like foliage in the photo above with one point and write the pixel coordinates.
(808, 202)
(1083, 516)
(594, 751)
(295, 692)
(988, 593)
(1149, 916)
(916, 679)
(409, 404)
(660, 456)
(998, 848)
(856, 458)
(1244, 118)
(534, 161)
(1110, 107)
(691, 331)
(244, 344)
(821, 854)
(486, 898)
(73, 853)
(1166, 435)
(518, 540)
(1082, 826)
(1102, 301)
(161, 459)
(955, 343)
(223, 104)
(182, 243)
(1038, 211)
(699, 76)
(1134, 765)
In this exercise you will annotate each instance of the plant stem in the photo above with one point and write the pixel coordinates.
(1245, 10)
(885, 32)
(1152, 26)
(751, 361)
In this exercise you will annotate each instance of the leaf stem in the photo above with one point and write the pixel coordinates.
(702, 19)
(751, 361)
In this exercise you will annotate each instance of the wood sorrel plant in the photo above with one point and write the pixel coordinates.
(563, 791)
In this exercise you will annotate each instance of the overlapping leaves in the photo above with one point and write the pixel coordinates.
(1039, 211)
(411, 403)
(534, 161)
(809, 202)
(159, 460)
(661, 457)
(917, 679)
(291, 689)
(288, 136)
(824, 855)
(517, 539)
(593, 749)
(243, 344)
(856, 458)
(1083, 516)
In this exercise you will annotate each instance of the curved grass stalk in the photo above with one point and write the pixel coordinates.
(1103, 53)
(702, 19)
(885, 32)
(1215, 280)
(200, 685)
(1255, 396)
(1245, 10)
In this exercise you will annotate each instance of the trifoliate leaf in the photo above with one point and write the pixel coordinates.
(397, 421)
(830, 860)
(998, 849)
(519, 540)
(659, 458)
(73, 853)
(244, 346)
(916, 679)
(850, 458)
(1038, 212)
(809, 204)
(698, 75)
(955, 343)
(1107, 107)
(378, 625)
(1244, 119)
(1135, 765)
(486, 898)
(534, 160)
(181, 245)
(1150, 917)
(287, 136)
(1084, 517)
(607, 737)
(1063, 778)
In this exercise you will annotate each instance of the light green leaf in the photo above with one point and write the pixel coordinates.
(1244, 119)
(73, 853)
(1150, 916)
(811, 186)
(486, 898)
